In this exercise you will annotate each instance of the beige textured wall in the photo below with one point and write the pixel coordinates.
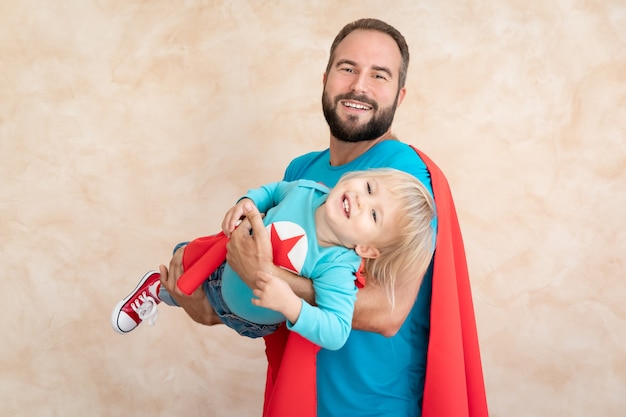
(127, 126)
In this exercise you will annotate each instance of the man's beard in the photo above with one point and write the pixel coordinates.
(350, 131)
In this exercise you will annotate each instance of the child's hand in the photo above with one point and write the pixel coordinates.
(234, 216)
(275, 294)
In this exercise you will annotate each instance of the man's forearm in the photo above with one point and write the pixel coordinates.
(202, 312)
(197, 306)
(373, 311)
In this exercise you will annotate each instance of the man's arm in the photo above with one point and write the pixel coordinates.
(374, 313)
(196, 305)
(249, 253)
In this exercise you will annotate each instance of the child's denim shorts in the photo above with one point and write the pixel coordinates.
(213, 290)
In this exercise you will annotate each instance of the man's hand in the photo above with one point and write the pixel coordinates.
(196, 305)
(250, 249)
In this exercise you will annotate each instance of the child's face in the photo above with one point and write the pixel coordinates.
(362, 211)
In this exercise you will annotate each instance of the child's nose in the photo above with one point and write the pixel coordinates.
(363, 202)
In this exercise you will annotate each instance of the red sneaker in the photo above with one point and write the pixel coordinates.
(140, 305)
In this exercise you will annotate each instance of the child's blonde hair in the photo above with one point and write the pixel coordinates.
(411, 251)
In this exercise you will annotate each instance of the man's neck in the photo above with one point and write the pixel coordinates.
(343, 152)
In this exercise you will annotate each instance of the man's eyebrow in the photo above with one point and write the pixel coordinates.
(384, 69)
(345, 61)
(375, 67)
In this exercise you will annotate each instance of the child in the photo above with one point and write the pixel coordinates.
(381, 216)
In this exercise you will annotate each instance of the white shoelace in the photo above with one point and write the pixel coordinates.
(147, 310)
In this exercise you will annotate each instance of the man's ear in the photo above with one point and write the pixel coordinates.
(368, 252)
(401, 95)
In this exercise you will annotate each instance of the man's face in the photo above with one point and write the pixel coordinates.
(361, 87)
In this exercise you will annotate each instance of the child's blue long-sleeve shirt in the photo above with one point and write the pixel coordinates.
(290, 220)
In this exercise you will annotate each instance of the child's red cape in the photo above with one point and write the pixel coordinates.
(454, 380)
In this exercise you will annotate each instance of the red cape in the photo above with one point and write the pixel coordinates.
(454, 380)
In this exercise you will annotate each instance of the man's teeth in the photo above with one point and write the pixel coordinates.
(356, 106)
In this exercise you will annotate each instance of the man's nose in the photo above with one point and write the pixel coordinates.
(360, 84)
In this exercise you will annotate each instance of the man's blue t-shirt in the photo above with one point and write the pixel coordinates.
(373, 375)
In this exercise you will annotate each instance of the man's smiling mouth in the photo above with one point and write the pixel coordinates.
(357, 106)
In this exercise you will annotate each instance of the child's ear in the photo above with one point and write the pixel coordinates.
(365, 251)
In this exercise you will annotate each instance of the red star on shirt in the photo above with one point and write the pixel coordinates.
(281, 248)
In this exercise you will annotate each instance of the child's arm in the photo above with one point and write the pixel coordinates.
(264, 197)
(329, 323)
(235, 214)
(275, 294)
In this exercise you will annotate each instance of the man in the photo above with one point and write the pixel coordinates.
(381, 369)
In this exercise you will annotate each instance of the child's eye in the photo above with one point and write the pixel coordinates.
(374, 215)
(369, 188)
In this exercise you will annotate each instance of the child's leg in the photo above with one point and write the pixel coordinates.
(165, 296)
(139, 305)
(222, 313)
(202, 257)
